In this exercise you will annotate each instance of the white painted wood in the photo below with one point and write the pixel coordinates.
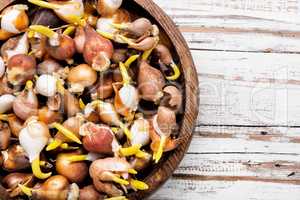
(181, 189)
(263, 167)
(237, 25)
(239, 88)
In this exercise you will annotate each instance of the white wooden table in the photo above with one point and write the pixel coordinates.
(246, 145)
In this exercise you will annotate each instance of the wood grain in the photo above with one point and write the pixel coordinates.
(254, 89)
(234, 25)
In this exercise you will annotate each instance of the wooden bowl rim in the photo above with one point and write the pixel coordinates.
(160, 175)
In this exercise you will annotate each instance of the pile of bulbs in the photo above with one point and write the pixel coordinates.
(85, 106)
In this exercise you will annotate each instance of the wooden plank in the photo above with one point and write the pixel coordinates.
(228, 40)
(224, 160)
(239, 88)
(185, 189)
(269, 26)
(254, 167)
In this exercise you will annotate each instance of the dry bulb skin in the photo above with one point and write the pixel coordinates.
(108, 7)
(5, 136)
(14, 19)
(14, 46)
(89, 98)
(15, 159)
(26, 103)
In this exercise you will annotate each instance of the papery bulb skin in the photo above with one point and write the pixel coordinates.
(126, 100)
(38, 45)
(48, 66)
(105, 23)
(15, 46)
(108, 7)
(20, 68)
(48, 116)
(70, 8)
(34, 137)
(46, 85)
(150, 82)
(139, 27)
(26, 104)
(140, 132)
(115, 164)
(108, 114)
(14, 19)
(130, 97)
(15, 159)
(6, 102)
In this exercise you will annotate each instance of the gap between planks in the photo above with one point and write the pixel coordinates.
(259, 26)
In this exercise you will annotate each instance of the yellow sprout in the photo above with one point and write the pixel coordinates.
(36, 169)
(66, 132)
(176, 74)
(139, 185)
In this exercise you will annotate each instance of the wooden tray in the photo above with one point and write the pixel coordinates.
(173, 38)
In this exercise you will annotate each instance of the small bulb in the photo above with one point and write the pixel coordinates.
(46, 85)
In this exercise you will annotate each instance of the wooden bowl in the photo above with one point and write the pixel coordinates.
(172, 38)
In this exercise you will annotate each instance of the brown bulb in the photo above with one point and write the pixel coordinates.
(48, 117)
(80, 77)
(71, 104)
(90, 193)
(12, 181)
(172, 98)
(15, 125)
(5, 135)
(75, 172)
(65, 50)
(26, 104)
(97, 138)
(56, 187)
(15, 159)
(20, 68)
(48, 66)
(104, 88)
(97, 50)
(80, 39)
(150, 82)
